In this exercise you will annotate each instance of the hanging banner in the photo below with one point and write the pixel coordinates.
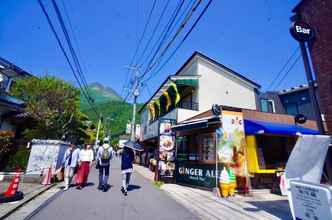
(231, 147)
(168, 100)
(166, 148)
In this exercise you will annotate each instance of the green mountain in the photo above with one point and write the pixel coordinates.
(100, 95)
(119, 112)
(111, 106)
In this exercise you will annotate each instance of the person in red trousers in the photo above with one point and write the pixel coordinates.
(85, 162)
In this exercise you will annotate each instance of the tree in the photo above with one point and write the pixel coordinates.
(54, 105)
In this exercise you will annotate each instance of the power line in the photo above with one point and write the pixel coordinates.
(288, 71)
(140, 39)
(164, 35)
(182, 26)
(154, 31)
(71, 48)
(64, 53)
(182, 41)
(73, 32)
(283, 68)
(144, 29)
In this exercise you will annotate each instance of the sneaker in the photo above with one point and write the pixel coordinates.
(66, 188)
(125, 193)
(123, 190)
(105, 188)
(100, 187)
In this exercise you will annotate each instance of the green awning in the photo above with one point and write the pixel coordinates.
(187, 82)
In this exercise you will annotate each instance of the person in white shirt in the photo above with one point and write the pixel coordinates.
(85, 161)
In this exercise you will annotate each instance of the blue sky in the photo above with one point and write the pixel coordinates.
(251, 37)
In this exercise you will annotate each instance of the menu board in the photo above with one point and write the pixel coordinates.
(310, 201)
(166, 148)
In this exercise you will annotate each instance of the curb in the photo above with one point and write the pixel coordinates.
(25, 202)
(43, 205)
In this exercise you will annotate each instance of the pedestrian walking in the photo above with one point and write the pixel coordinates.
(85, 162)
(104, 156)
(69, 162)
(127, 160)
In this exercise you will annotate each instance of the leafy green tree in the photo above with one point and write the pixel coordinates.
(54, 105)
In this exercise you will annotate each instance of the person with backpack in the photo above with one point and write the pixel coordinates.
(127, 159)
(69, 162)
(104, 156)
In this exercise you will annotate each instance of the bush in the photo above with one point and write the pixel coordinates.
(18, 160)
(6, 141)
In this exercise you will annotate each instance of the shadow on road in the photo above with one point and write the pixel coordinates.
(133, 187)
(278, 208)
(89, 184)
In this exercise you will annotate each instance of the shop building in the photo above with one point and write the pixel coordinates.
(11, 108)
(199, 83)
(291, 101)
(254, 145)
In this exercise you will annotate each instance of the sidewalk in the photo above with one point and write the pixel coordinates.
(264, 206)
(30, 190)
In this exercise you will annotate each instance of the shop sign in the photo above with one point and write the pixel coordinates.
(166, 148)
(310, 201)
(196, 174)
(301, 31)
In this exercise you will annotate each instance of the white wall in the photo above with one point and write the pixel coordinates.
(184, 114)
(216, 86)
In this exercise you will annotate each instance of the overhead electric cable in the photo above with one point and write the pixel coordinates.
(140, 40)
(71, 48)
(153, 32)
(65, 54)
(288, 71)
(163, 36)
(283, 68)
(182, 41)
(182, 26)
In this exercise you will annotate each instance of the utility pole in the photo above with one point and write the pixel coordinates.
(135, 94)
(98, 129)
(109, 127)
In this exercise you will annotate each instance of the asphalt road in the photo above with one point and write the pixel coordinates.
(144, 201)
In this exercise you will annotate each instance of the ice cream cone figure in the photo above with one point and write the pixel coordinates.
(224, 183)
(232, 182)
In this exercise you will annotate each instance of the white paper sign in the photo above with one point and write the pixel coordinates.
(311, 201)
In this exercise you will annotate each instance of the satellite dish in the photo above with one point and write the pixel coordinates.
(216, 110)
(300, 119)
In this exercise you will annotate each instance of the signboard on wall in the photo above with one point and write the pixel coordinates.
(196, 174)
(45, 153)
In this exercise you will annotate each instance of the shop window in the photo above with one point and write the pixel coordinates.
(273, 151)
(292, 108)
(267, 105)
(207, 146)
